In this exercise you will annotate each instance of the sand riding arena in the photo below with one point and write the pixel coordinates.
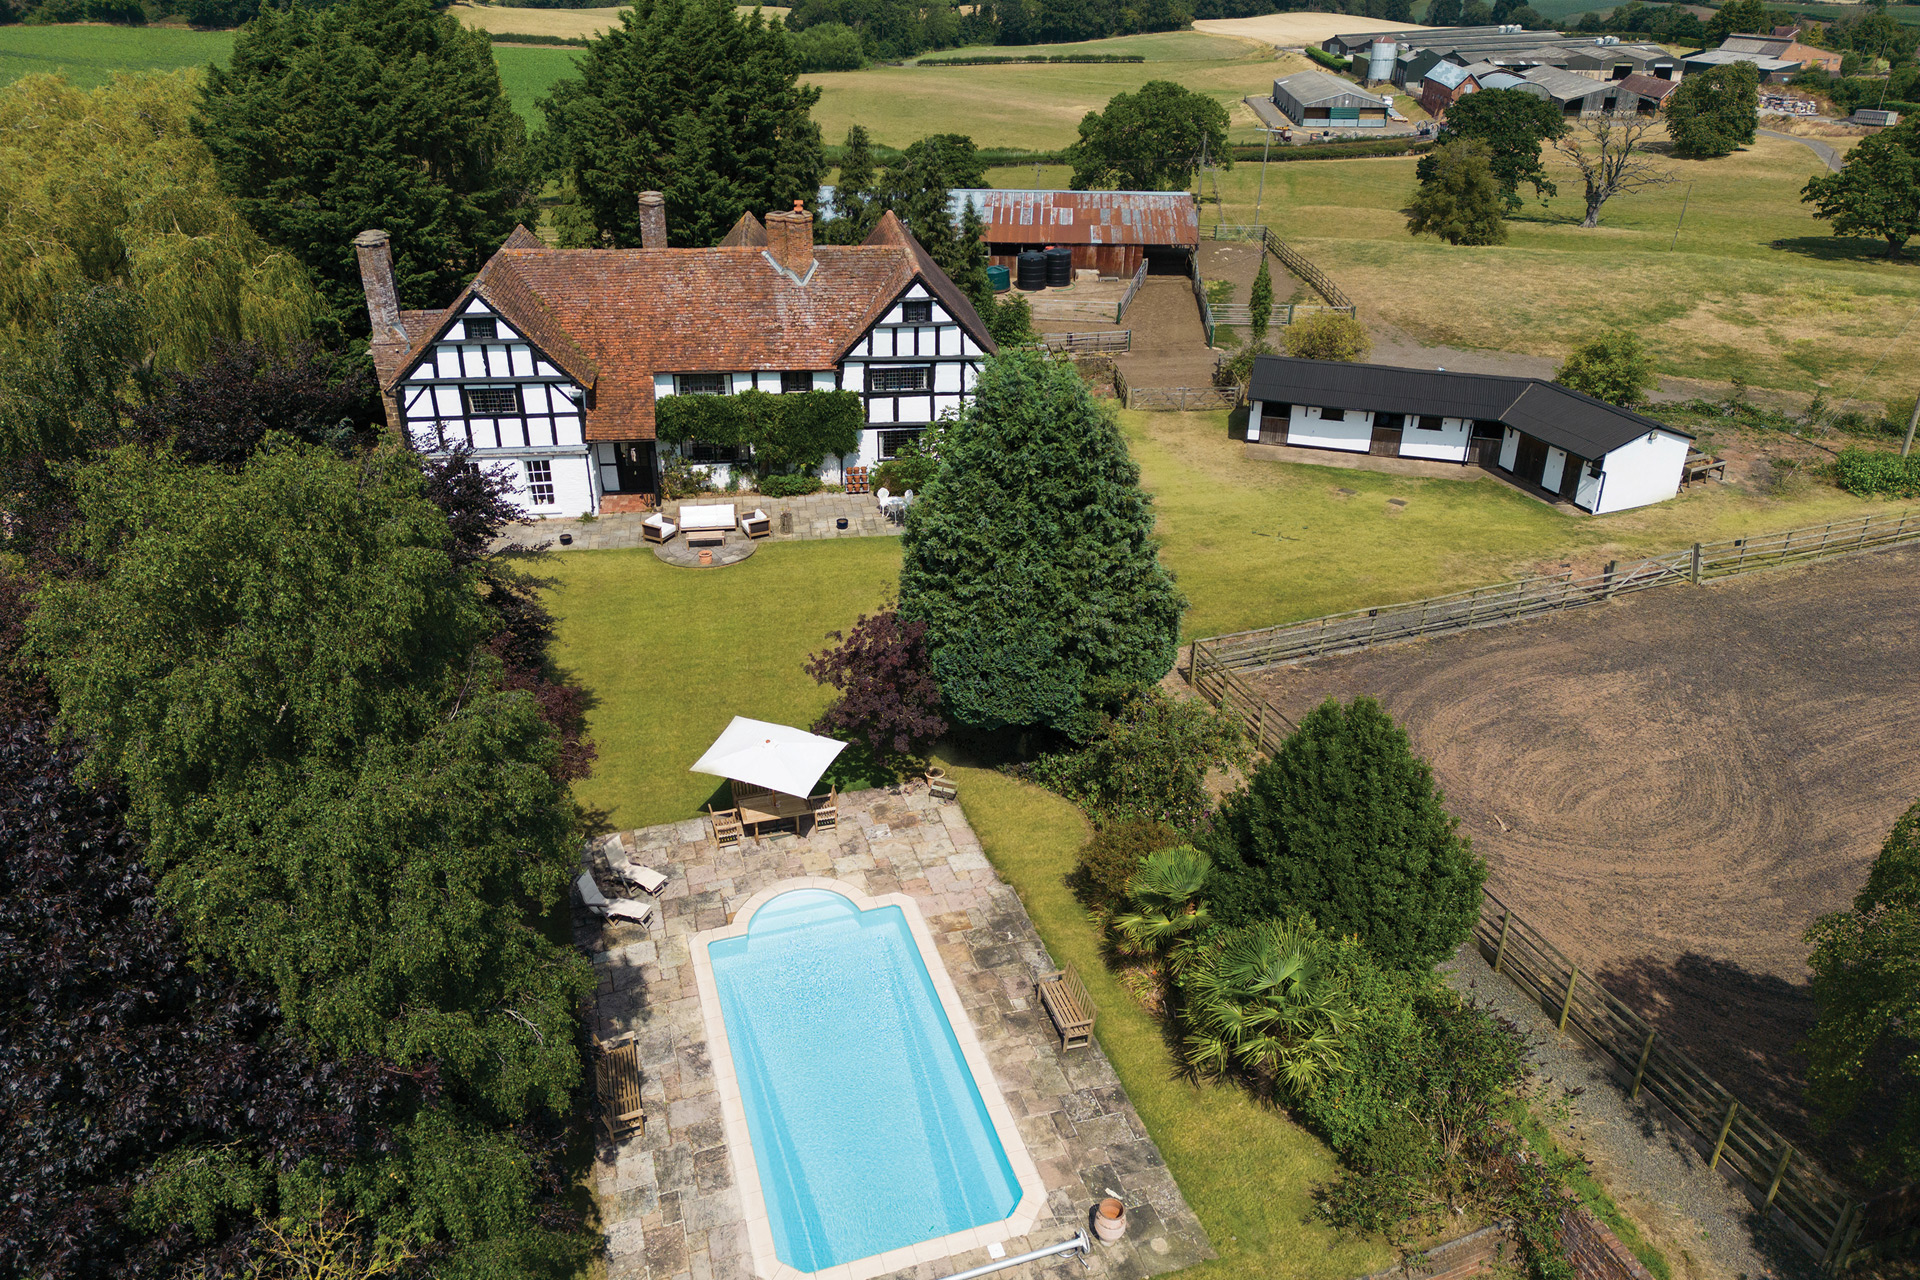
(1673, 785)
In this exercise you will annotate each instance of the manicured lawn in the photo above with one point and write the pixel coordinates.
(1259, 543)
(1246, 1170)
(671, 655)
(1722, 303)
(88, 55)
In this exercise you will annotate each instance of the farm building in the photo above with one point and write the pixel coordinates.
(1874, 119)
(1653, 92)
(1562, 445)
(1446, 83)
(1317, 99)
(1111, 232)
(1602, 60)
(1772, 70)
(1578, 95)
(1783, 48)
(553, 361)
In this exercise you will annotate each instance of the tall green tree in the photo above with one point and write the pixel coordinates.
(693, 82)
(1715, 112)
(372, 113)
(1614, 367)
(857, 201)
(1459, 200)
(1865, 1048)
(917, 188)
(1741, 15)
(1260, 301)
(281, 666)
(1877, 192)
(1031, 556)
(1512, 126)
(110, 189)
(1345, 824)
(1150, 140)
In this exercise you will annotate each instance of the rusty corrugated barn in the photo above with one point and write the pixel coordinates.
(1110, 231)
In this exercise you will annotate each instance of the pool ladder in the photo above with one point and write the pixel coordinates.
(1078, 1242)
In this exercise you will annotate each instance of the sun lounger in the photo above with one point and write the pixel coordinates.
(616, 909)
(644, 878)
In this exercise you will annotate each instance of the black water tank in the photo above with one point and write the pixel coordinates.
(1059, 268)
(1032, 272)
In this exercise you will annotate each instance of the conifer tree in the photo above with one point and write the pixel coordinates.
(1031, 556)
(372, 113)
(1260, 300)
(856, 197)
(695, 59)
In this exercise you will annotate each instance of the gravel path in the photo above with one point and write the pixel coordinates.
(1706, 1228)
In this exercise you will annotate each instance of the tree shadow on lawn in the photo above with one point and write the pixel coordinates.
(1841, 249)
(1744, 1029)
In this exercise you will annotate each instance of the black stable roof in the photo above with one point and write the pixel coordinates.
(1578, 423)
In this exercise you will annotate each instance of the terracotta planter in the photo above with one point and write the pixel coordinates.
(1110, 1219)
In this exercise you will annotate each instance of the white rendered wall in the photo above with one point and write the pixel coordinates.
(1307, 428)
(1448, 444)
(1641, 472)
(573, 492)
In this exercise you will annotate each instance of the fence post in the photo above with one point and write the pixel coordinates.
(1779, 1172)
(1640, 1070)
(1696, 564)
(1566, 1005)
(1500, 952)
(1863, 531)
(1726, 1127)
(1606, 591)
(1846, 1244)
(1843, 1233)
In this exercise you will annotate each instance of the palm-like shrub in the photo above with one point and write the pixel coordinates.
(1259, 998)
(1163, 915)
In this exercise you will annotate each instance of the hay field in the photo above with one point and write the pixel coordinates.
(1721, 304)
(1037, 107)
(566, 23)
(88, 55)
(1297, 28)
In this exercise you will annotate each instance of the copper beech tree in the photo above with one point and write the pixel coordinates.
(888, 697)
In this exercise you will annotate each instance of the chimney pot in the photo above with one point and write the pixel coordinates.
(375, 253)
(653, 220)
(790, 239)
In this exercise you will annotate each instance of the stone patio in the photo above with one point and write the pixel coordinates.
(814, 516)
(669, 1207)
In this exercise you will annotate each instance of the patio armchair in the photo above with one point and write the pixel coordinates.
(657, 528)
(756, 524)
(727, 831)
(610, 909)
(826, 811)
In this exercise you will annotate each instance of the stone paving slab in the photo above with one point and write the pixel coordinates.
(813, 517)
(667, 1200)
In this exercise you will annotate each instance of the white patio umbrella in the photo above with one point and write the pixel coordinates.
(775, 756)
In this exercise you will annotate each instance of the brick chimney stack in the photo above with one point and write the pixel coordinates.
(376, 279)
(653, 220)
(790, 239)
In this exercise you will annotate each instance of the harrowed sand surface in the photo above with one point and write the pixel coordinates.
(1673, 786)
(1298, 28)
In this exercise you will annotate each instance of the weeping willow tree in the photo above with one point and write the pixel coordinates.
(110, 188)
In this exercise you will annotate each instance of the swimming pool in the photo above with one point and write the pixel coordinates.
(841, 1048)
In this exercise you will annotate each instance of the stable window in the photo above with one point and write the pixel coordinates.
(891, 442)
(917, 311)
(492, 402)
(479, 330)
(700, 384)
(540, 482)
(1333, 415)
(1593, 469)
(1430, 422)
(795, 383)
(917, 377)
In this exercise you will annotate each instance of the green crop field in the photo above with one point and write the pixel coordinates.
(89, 55)
(527, 73)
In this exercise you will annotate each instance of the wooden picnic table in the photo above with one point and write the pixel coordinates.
(1700, 467)
(759, 806)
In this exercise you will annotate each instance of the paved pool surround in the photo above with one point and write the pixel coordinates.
(670, 1202)
(1032, 1205)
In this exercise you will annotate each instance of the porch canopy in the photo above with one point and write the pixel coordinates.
(774, 756)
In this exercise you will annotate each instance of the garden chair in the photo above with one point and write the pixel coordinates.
(657, 528)
(611, 909)
(727, 831)
(826, 811)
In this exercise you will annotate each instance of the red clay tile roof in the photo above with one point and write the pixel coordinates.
(748, 232)
(613, 318)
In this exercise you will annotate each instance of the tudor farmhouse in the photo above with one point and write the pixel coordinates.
(553, 360)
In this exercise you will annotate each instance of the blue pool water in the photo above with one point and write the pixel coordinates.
(867, 1126)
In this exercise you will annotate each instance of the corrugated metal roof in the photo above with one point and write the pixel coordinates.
(1579, 424)
(1084, 217)
(1500, 80)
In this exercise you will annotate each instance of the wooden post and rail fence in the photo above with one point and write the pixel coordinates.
(1295, 261)
(1505, 602)
(1822, 1216)
(1098, 342)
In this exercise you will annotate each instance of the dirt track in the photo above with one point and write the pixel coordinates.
(1673, 786)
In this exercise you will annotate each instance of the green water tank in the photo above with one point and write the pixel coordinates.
(1000, 278)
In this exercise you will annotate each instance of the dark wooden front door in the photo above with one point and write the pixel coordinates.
(1530, 459)
(634, 461)
(1385, 442)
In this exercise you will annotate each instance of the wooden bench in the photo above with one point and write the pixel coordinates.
(1700, 467)
(1066, 1001)
(616, 1080)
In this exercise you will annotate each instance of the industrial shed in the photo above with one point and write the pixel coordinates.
(1559, 444)
(1317, 99)
(1608, 59)
(1578, 95)
(1112, 232)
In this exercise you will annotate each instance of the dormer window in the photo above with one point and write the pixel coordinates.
(700, 384)
(917, 311)
(483, 330)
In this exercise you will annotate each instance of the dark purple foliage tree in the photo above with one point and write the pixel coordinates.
(888, 697)
(220, 413)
